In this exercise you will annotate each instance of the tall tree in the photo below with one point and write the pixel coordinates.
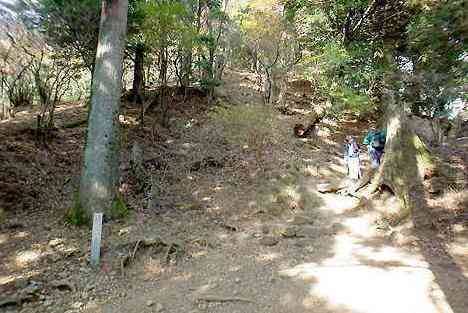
(100, 172)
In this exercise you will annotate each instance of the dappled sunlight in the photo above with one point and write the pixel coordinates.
(235, 268)
(337, 204)
(222, 236)
(459, 250)
(182, 277)
(369, 289)
(152, 268)
(267, 257)
(215, 209)
(24, 258)
(128, 120)
(3, 238)
(360, 226)
(4, 280)
(21, 235)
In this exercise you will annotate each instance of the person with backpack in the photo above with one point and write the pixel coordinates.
(375, 142)
(351, 158)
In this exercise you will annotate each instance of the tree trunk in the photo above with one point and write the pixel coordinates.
(138, 74)
(163, 105)
(186, 66)
(100, 172)
(267, 86)
(406, 160)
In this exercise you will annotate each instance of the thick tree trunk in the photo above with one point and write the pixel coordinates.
(100, 172)
(406, 160)
(138, 74)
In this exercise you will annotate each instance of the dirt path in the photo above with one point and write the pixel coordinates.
(330, 257)
(311, 252)
(339, 263)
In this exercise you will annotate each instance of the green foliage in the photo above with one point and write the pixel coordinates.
(438, 50)
(348, 41)
(73, 25)
(163, 24)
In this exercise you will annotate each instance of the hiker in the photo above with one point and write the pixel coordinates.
(375, 142)
(351, 157)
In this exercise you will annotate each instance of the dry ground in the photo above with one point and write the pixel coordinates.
(241, 234)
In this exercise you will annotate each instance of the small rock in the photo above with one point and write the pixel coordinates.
(56, 242)
(237, 280)
(21, 283)
(124, 231)
(268, 241)
(77, 305)
(149, 303)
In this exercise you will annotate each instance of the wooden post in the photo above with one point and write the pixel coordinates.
(96, 239)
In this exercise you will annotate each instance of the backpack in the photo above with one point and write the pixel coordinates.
(378, 140)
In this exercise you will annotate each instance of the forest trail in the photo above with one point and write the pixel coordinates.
(338, 264)
(330, 257)
(181, 122)
(305, 251)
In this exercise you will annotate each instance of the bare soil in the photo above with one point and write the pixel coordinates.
(212, 243)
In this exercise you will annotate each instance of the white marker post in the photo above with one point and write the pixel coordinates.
(96, 239)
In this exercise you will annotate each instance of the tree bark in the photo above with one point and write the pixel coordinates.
(163, 105)
(406, 160)
(138, 74)
(186, 61)
(100, 171)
